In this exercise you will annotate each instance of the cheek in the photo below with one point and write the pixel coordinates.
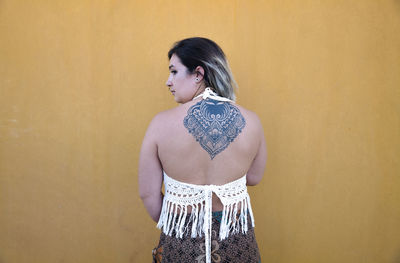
(183, 93)
(179, 77)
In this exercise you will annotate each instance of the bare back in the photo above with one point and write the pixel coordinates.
(185, 157)
(200, 142)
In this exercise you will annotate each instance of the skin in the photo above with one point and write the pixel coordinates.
(182, 84)
(168, 146)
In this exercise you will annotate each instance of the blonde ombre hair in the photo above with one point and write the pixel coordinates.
(199, 51)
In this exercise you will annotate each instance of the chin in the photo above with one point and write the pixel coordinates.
(177, 99)
(180, 100)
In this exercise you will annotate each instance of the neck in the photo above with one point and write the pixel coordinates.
(199, 91)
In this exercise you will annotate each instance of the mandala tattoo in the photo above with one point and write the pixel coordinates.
(214, 124)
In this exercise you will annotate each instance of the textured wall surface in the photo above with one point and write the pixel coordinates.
(81, 80)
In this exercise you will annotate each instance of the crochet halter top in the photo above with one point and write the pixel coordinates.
(180, 196)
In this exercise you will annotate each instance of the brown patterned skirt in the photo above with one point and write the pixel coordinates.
(240, 248)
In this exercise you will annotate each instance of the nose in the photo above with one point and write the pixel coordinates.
(169, 82)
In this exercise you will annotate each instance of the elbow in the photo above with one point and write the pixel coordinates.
(252, 180)
(143, 195)
(153, 203)
(146, 196)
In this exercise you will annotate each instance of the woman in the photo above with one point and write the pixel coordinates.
(206, 150)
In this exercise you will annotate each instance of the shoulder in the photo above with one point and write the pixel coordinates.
(171, 115)
(250, 116)
(163, 119)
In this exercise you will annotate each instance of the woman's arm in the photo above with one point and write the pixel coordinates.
(150, 173)
(256, 171)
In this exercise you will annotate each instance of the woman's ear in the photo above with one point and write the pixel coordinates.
(199, 72)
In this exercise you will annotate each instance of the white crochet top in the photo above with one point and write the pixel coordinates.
(179, 195)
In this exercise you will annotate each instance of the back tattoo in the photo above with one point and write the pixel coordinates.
(214, 124)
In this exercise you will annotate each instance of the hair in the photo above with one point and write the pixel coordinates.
(199, 51)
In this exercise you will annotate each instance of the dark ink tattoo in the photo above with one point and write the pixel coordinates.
(214, 124)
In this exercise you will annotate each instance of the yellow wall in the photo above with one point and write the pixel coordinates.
(80, 81)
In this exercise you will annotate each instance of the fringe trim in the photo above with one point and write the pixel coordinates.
(234, 220)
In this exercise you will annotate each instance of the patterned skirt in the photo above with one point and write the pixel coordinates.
(240, 248)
